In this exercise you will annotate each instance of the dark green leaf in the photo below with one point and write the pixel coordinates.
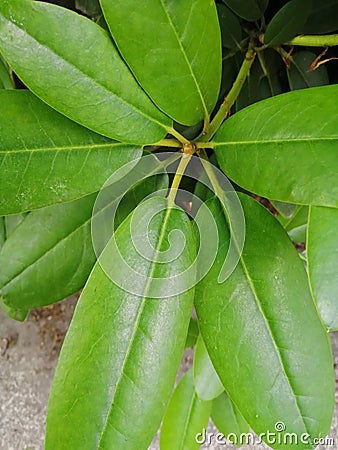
(231, 29)
(228, 419)
(323, 17)
(6, 81)
(70, 63)
(120, 358)
(174, 51)
(248, 9)
(46, 158)
(299, 74)
(287, 23)
(89, 7)
(322, 256)
(207, 384)
(193, 332)
(185, 418)
(263, 332)
(285, 148)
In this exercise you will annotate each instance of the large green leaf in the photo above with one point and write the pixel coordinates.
(299, 74)
(287, 22)
(71, 63)
(49, 255)
(231, 29)
(248, 9)
(174, 50)
(228, 419)
(263, 332)
(323, 17)
(119, 361)
(207, 384)
(322, 256)
(46, 158)
(285, 148)
(185, 418)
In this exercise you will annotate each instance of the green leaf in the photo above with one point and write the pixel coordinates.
(286, 210)
(71, 64)
(287, 23)
(120, 358)
(323, 17)
(231, 29)
(2, 231)
(263, 332)
(16, 314)
(207, 384)
(228, 419)
(6, 81)
(248, 9)
(285, 148)
(48, 256)
(322, 256)
(299, 74)
(185, 418)
(174, 50)
(46, 158)
(193, 333)
(296, 224)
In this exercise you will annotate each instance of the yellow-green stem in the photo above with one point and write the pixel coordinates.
(168, 143)
(178, 177)
(231, 97)
(329, 40)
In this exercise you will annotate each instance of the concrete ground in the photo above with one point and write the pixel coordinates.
(28, 356)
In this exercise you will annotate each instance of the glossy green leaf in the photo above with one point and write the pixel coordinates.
(286, 210)
(231, 30)
(263, 332)
(227, 418)
(48, 256)
(248, 9)
(193, 333)
(323, 17)
(71, 63)
(287, 23)
(46, 158)
(296, 225)
(2, 231)
(120, 358)
(299, 74)
(285, 148)
(174, 50)
(185, 418)
(6, 81)
(207, 384)
(322, 256)
(16, 314)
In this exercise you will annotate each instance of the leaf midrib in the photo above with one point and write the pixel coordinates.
(278, 354)
(135, 328)
(172, 26)
(88, 77)
(67, 147)
(273, 141)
